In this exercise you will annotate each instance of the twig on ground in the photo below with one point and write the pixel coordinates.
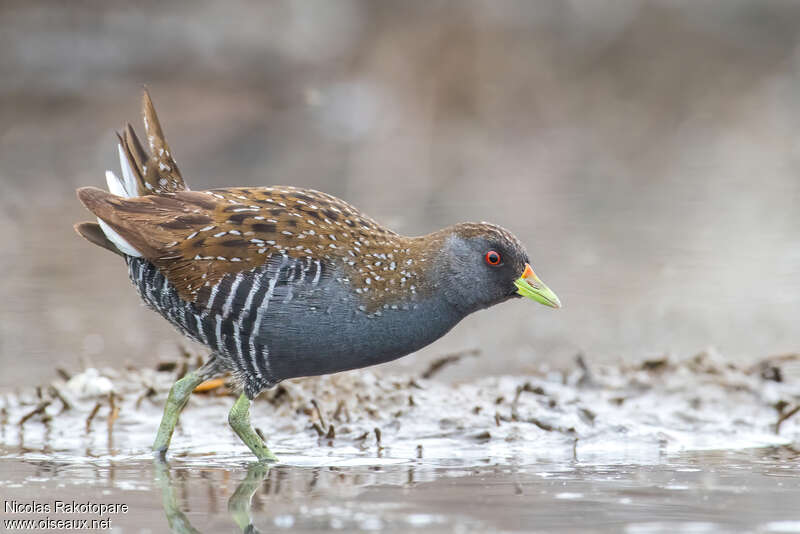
(91, 415)
(586, 378)
(40, 408)
(655, 364)
(784, 417)
(771, 361)
(55, 392)
(342, 410)
(113, 412)
(440, 363)
(524, 388)
(166, 367)
(61, 372)
(320, 417)
(316, 426)
(148, 394)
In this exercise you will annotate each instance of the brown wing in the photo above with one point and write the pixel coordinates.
(196, 238)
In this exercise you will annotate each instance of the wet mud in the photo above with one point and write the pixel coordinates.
(655, 446)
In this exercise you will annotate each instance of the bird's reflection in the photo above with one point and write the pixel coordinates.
(238, 505)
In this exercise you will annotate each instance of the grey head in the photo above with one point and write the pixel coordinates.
(481, 264)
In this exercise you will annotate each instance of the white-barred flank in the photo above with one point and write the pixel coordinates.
(231, 322)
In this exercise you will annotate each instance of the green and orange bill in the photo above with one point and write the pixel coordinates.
(529, 285)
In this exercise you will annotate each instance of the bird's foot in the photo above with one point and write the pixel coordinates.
(239, 418)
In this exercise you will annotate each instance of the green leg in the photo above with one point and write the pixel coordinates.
(178, 522)
(239, 418)
(239, 504)
(177, 399)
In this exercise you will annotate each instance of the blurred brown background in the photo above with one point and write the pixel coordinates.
(648, 153)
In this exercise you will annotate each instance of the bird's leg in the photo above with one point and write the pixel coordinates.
(239, 418)
(178, 522)
(177, 399)
(239, 505)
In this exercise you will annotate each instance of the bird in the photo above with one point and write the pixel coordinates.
(282, 282)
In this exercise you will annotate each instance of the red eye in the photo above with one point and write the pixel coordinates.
(493, 258)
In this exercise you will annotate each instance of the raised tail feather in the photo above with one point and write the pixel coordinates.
(143, 174)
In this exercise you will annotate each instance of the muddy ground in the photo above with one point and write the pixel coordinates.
(659, 445)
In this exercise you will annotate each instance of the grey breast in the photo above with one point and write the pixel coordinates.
(316, 326)
(291, 318)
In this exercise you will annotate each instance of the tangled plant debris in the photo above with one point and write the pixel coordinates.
(624, 412)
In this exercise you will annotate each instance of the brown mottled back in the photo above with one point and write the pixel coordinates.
(195, 238)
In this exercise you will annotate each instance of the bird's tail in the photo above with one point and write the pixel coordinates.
(143, 174)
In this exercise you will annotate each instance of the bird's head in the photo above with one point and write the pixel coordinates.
(482, 264)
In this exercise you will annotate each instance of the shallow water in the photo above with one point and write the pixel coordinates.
(744, 491)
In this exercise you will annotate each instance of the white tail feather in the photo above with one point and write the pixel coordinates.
(122, 188)
(115, 185)
(129, 183)
(118, 240)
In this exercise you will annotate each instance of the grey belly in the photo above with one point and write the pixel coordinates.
(294, 330)
(305, 342)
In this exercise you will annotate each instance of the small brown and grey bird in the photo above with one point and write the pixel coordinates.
(282, 282)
